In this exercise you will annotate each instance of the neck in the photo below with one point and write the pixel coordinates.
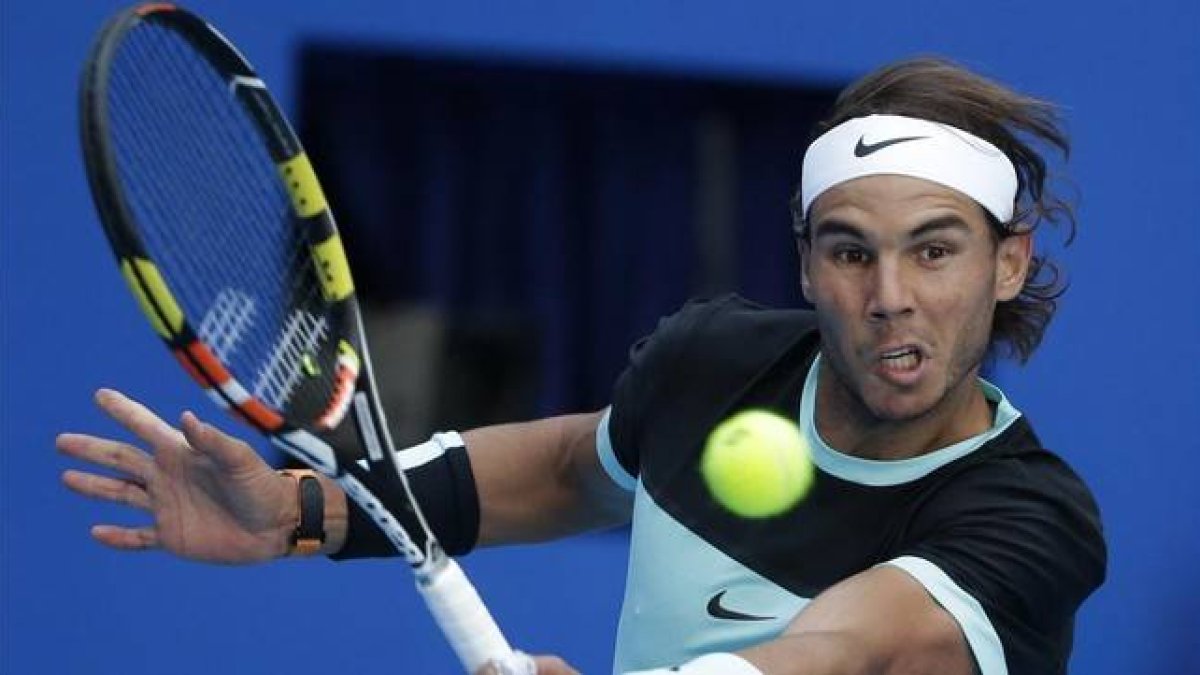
(851, 428)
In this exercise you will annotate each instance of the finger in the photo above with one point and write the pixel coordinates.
(140, 420)
(126, 538)
(228, 452)
(108, 453)
(109, 489)
(516, 663)
(553, 665)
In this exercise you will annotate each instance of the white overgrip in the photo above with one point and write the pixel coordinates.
(467, 623)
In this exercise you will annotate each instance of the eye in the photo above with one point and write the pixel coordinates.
(934, 252)
(850, 255)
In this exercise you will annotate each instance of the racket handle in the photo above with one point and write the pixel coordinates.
(467, 623)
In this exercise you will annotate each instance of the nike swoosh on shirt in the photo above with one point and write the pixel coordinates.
(864, 149)
(718, 611)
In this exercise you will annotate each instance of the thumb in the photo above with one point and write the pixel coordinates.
(231, 454)
(553, 665)
(516, 663)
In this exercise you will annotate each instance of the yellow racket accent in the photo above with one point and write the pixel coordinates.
(333, 269)
(309, 366)
(301, 181)
(151, 293)
(346, 351)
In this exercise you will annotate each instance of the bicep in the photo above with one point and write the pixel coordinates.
(888, 618)
(541, 480)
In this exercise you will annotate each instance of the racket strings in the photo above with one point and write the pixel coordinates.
(245, 206)
(172, 203)
(277, 210)
(184, 189)
(218, 221)
(300, 332)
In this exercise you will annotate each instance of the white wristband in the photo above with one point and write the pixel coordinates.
(720, 663)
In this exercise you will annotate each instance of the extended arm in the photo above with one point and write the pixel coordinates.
(509, 483)
(213, 498)
(879, 621)
(542, 480)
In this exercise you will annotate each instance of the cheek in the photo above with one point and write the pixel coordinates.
(837, 310)
(968, 289)
(966, 316)
(827, 289)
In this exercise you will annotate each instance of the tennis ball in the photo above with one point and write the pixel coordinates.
(757, 464)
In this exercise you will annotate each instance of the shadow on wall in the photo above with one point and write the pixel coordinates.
(517, 227)
(437, 372)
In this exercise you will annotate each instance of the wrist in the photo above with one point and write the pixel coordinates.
(305, 515)
(289, 515)
(718, 663)
(336, 516)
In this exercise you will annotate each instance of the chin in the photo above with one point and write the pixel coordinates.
(898, 407)
(896, 414)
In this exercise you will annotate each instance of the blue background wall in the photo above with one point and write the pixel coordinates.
(1115, 388)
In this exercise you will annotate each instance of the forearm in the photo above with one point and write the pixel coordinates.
(336, 516)
(881, 621)
(541, 480)
(833, 652)
(817, 653)
(533, 480)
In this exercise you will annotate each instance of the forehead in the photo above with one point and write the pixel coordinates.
(894, 201)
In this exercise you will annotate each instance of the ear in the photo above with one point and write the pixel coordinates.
(1013, 255)
(805, 253)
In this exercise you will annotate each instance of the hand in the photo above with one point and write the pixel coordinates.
(212, 497)
(552, 665)
(546, 665)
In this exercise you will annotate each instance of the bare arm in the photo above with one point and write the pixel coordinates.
(543, 479)
(213, 498)
(881, 621)
(535, 481)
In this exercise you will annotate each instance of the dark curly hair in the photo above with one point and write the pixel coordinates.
(941, 91)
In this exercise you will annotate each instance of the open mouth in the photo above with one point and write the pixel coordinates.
(902, 360)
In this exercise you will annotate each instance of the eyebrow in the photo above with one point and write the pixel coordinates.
(834, 227)
(948, 222)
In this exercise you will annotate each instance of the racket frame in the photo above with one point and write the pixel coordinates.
(452, 600)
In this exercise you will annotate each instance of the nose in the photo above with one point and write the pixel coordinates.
(890, 293)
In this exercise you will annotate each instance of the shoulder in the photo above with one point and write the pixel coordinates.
(1016, 470)
(1017, 520)
(726, 339)
(686, 373)
(1018, 531)
(731, 323)
(733, 311)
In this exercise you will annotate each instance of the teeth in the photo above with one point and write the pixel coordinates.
(904, 359)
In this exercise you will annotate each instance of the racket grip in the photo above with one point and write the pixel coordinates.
(467, 623)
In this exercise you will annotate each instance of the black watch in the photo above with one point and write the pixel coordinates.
(309, 535)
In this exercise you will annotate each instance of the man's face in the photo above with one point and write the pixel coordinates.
(905, 275)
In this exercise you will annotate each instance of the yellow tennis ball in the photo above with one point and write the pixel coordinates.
(757, 464)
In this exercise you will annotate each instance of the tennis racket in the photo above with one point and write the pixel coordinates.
(222, 232)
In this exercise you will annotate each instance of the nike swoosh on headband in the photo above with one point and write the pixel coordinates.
(717, 611)
(864, 149)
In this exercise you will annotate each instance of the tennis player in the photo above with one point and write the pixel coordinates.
(939, 537)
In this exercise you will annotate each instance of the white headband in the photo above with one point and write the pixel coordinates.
(891, 144)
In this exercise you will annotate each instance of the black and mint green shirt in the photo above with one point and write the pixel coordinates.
(1000, 531)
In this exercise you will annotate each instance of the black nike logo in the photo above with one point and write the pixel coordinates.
(864, 149)
(717, 611)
